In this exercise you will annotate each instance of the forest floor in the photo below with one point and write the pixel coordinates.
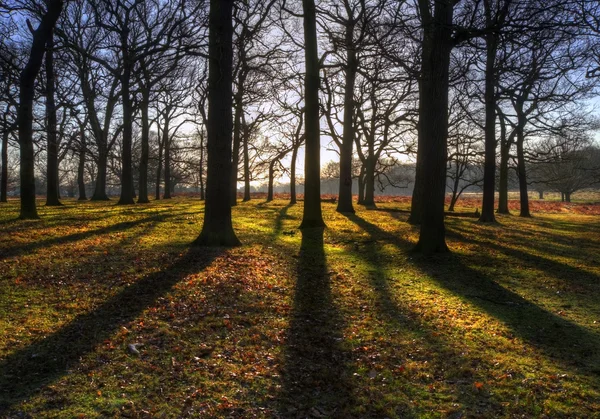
(106, 311)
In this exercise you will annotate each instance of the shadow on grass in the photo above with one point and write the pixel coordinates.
(564, 341)
(24, 372)
(278, 224)
(316, 374)
(449, 364)
(126, 225)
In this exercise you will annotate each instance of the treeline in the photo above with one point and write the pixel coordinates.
(144, 95)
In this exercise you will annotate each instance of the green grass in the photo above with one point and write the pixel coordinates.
(348, 323)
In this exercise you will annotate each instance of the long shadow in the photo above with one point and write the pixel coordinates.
(317, 373)
(564, 341)
(402, 318)
(24, 372)
(278, 223)
(126, 225)
(530, 259)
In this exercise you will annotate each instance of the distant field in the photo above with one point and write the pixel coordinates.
(105, 311)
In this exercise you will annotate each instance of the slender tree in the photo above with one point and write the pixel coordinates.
(25, 112)
(312, 215)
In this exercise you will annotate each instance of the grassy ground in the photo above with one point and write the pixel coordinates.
(344, 324)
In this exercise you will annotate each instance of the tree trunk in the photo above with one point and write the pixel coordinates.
(503, 186)
(167, 145)
(540, 194)
(217, 229)
(237, 134)
(52, 182)
(455, 187)
(433, 126)
(361, 185)
(25, 111)
(568, 196)
(562, 197)
(4, 181)
(312, 215)
(100, 189)
(159, 170)
(81, 167)
(246, 166)
(145, 139)
(271, 180)
(522, 175)
(293, 199)
(345, 189)
(369, 183)
(202, 168)
(489, 169)
(127, 191)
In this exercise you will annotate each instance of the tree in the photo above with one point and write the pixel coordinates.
(25, 112)
(217, 229)
(430, 182)
(312, 215)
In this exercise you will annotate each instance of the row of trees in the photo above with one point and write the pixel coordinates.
(456, 85)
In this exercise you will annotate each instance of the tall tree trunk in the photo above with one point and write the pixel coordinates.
(505, 144)
(271, 180)
(81, 167)
(25, 111)
(217, 229)
(293, 198)
(345, 190)
(312, 215)
(100, 188)
(145, 138)
(433, 124)
(4, 180)
(540, 194)
(246, 167)
(127, 191)
(202, 168)
(489, 168)
(361, 185)
(159, 170)
(237, 135)
(52, 178)
(524, 195)
(369, 182)
(568, 197)
(167, 143)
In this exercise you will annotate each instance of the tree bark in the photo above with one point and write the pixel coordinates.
(271, 180)
(369, 181)
(81, 167)
(159, 170)
(505, 144)
(312, 215)
(293, 198)
(217, 229)
(433, 124)
(345, 189)
(489, 169)
(167, 162)
(127, 190)
(237, 134)
(246, 166)
(52, 178)
(25, 111)
(524, 196)
(4, 180)
(145, 139)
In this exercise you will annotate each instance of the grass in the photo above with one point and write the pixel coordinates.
(341, 323)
